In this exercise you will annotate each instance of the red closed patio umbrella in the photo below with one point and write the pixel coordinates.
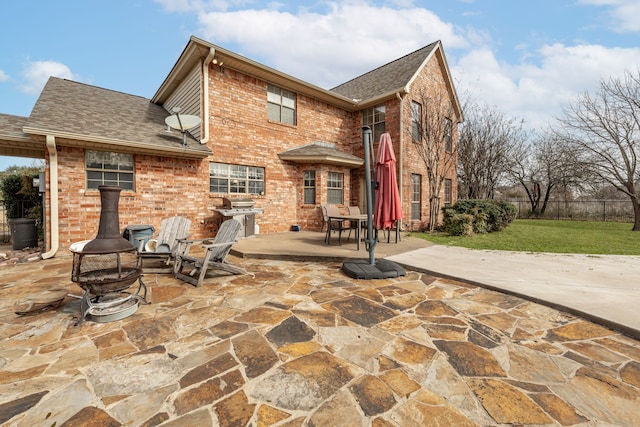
(387, 207)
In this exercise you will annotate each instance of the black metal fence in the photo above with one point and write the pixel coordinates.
(584, 210)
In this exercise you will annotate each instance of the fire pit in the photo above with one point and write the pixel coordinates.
(107, 266)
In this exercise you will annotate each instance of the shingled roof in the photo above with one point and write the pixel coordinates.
(319, 152)
(391, 77)
(80, 112)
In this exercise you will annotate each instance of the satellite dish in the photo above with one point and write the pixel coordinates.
(182, 123)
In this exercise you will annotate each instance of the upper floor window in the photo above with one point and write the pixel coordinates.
(281, 105)
(309, 187)
(416, 121)
(335, 188)
(106, 168)
(374, 117)
(448, 146)
(235, 179)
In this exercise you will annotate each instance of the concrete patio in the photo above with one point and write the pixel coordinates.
(303, 344)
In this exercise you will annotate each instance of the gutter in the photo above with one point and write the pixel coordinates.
(205, 92)
(133, 147)
(53, 195)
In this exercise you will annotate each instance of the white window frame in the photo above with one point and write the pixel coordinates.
(335, 188)
(109, 168)
(448, 191)
(309, 187)
(416, 197)
(375, 117)
(228, 178)
(281, 105)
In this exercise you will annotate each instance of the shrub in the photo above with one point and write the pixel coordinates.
(457, 224)
(486, 215)
(19, 196)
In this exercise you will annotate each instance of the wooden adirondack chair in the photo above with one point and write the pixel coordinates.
(192, 269)
(166, 243)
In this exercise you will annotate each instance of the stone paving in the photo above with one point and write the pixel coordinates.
(304, 345)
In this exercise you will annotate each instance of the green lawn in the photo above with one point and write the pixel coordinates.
(551, 236)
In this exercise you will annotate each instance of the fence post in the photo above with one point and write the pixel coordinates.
(604, 210)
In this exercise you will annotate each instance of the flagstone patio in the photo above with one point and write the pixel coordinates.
(302, 344)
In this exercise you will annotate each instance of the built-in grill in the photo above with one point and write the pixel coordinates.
(243, 210)
(107, 266)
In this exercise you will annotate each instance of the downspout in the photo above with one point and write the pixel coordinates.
(205, 96)
(53, 196)
(401, 157)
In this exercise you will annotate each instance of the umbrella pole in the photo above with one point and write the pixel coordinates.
(370, 241)
(360, 269)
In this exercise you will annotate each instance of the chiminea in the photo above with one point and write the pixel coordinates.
(109, 239)
(108, 265)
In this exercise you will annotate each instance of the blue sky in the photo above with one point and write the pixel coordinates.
(527, 58)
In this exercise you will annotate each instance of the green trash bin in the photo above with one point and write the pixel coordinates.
(24, 233)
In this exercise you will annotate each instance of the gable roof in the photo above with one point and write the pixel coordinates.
(197, 50)
(387, 79)
(84, 115)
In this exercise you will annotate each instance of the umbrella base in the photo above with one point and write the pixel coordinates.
(382, 269)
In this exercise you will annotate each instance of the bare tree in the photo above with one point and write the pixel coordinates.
(486, 137)
(432, 130)
(545, 165)
(605, 128)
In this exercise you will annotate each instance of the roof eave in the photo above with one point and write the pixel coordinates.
(381, 98)
(322, 159)
(101, 143)
(21, 147)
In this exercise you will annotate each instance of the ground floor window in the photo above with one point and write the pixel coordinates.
(335, 188)
(309, 187)
(235, 179)
(106, 168)
(416, 196)
(448, 196)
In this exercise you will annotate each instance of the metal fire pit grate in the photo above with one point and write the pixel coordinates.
(104, 278)
(105, 273)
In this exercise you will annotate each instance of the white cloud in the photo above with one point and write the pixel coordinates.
(3, 76)
(36, 74)
(624, 13)
(538, 91)
(347, 40)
